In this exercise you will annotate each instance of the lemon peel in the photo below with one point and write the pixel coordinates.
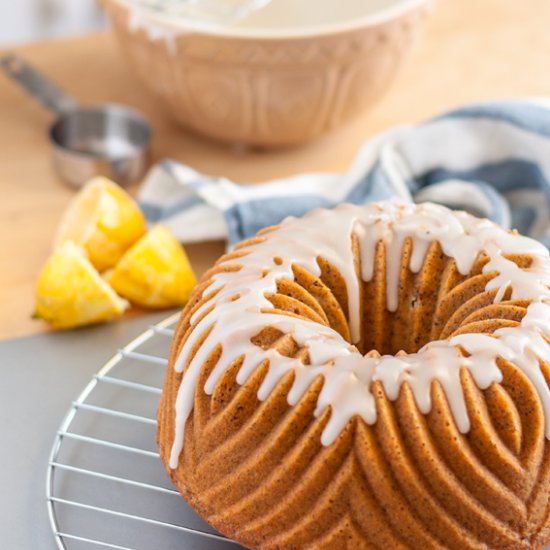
(103, 219)
(70, 292)
(155, 272)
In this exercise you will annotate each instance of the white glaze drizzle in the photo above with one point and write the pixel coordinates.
(155, 30)
(233, 313)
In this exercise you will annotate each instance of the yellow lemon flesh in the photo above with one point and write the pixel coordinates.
(104, 220)
(155, 272)
(70, 292)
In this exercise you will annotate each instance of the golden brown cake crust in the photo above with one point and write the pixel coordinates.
(258, 472)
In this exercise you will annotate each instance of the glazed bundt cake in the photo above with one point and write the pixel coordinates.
(368, 377)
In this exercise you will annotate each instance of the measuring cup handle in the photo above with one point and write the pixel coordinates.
(37, 85)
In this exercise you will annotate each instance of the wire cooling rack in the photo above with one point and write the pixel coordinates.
(106, 486)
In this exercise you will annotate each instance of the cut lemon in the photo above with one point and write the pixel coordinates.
(70, 292)
(104, 220)
(155, 272)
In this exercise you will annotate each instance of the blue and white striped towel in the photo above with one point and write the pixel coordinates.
(491, 159)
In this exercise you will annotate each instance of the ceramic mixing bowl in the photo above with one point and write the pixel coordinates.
(280, 77)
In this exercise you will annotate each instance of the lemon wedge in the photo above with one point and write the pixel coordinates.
(104, 220)
(70, 292)
(154, 272)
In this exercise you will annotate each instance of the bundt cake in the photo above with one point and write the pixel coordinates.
(368, 377)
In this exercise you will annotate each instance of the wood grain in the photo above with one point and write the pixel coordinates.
(471, 51)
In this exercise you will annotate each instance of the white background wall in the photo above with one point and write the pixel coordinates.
(28, 20)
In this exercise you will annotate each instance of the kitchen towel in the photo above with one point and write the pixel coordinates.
(491, 159)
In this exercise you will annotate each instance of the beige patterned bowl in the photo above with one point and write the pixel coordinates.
(272, 85)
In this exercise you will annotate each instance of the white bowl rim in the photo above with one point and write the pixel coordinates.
(383, 15)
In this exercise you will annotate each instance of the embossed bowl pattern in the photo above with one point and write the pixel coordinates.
(272, 90)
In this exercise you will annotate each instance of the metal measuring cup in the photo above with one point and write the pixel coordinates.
(110, 140)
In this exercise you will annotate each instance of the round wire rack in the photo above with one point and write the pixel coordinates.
(105, 485)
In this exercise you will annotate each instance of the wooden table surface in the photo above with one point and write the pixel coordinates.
(472, 50)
